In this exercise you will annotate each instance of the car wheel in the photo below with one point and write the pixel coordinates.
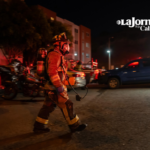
(10, 91)
(113, 83)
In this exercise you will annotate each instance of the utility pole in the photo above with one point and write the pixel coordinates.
(109, 53)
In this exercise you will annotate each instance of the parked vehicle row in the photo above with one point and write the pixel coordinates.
(134, 72)
(17, 78)
(8, 82)
(77, 79)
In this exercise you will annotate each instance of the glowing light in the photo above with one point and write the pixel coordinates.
(96, 71)
(75, 54)
(108, 51)
(83, 75)
(134, 64)
(51, 18)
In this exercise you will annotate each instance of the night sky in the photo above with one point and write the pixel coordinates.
(101, 17)
(97, 15)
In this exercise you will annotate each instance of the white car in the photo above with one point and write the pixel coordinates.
(76, 79)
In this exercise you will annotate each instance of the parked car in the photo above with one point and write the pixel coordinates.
(76, 79)
(134, 72)
(94, 75)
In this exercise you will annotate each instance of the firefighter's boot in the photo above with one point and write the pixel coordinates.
(40, 128)
(77, 127)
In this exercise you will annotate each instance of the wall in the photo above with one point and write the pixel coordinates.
(75, 46)
(82, 54)
(85, 44)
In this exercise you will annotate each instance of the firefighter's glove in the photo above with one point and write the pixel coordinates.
(60, 89)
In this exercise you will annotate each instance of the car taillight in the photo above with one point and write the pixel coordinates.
(83, 75)
(76, 75)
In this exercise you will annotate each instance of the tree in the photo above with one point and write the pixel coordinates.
(25, 29)
(22, 28)
(57, 28)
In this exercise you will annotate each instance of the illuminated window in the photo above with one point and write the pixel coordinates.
(82, 35)
(87, 55)
(82, 45)
(75, 54)
(87, 44)
(51, 18)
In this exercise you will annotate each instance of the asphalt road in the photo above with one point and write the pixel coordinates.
(117, 120)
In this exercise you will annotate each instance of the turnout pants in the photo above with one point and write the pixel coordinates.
(52, 100)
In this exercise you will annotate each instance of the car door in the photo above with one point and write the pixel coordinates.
(145, 71)
(131, 72)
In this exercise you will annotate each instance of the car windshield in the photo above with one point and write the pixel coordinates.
(134, 64)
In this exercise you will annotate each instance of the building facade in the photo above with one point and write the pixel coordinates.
(85, 44)
(75, 30)
(81, 45)
(49, 14)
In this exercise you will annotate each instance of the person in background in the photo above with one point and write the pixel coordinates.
(78, 67)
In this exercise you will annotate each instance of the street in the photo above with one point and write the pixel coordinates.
(118, 119)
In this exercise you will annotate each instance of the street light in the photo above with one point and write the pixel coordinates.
(108, 51)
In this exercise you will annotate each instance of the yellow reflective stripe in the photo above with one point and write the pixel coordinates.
(41, 120)
(70, 122)
(54, 78)
(65, 88)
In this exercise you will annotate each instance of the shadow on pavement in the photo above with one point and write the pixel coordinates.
(135, 86)
(92, 139)
(103, 86)
(18, 102)
(57, 141)
(17, 138)
(54, 142)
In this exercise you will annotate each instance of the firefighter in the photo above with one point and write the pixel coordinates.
(56, 95)
(78, 67)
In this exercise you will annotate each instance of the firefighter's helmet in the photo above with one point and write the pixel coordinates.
(63, 43)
